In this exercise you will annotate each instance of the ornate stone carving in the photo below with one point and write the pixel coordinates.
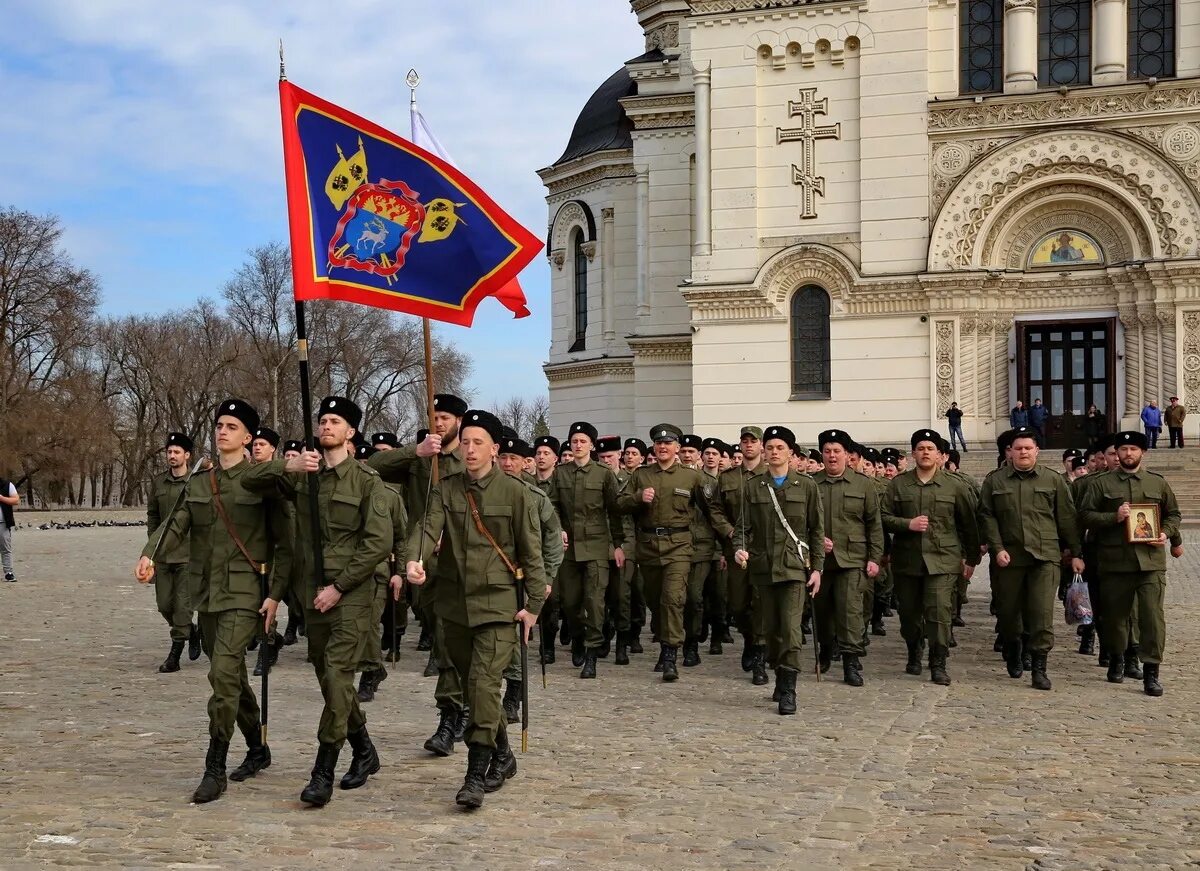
(665, 37)
(558, 257)
(947, 168)
(1181, 141)
(608, 369)
(661, 349)
(945, 357)
(951, 159)
(589, 250)
(804, 174)
(1191, 360)
(713, 7)
(806, 264)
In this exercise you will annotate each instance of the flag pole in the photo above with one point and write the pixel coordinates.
(413, 80)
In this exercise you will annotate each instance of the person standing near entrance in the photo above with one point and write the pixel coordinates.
(954, 415)
(1095, 425)
(1038, 415)
(1152, 421)
(1174, 415)
(1019, 416)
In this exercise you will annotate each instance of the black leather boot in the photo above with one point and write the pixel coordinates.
(747, 654)
(957, 620)
(937, 665)
(622, 655)
(431, 667)
(717, 641)
(460, 724)
(258, 757)
(998, 645)
(605, 648)
(1026, 654)
(913, 666)
(852, 669)
(363, 763)
(479, 756)
(1116, 669)
(758, 671)
(787, 691)
(1132, 665)
(564, 633)
(1087, 640)
(589, 663)
(1040, 680)
(635, 640)
(512, 700)
(319, 790)
(441, 742)
(662, 655)
(289, 635)
(726, 635)
(824, 656)
(1150, 679)
(778, 685)
(578, 651)
(195, 648)
(502, 766)
(1102, 658)
(425, 642)
(213, 783)
(171, 663)
(546, 638)
(669, 671)
(1012, 659)
(369, 683)
(691, 653)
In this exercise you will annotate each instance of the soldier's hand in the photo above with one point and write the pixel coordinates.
(566, 540)
(1123, 512)
(1003, 559)
(268, 609)
(829, 545)
(920, 523)
(303, 463)
(549, 590)
(327, 598)
(619, 557)
(397, 585)
(144, 571)
(1177, 551)
(415, 572)
(1160, 541)
(528, 621)
(872, 569)
(722, 564)
(741, 557)
(432, 445)
(967, 571)
(814, 583)
(1077, 566)
(648, 495)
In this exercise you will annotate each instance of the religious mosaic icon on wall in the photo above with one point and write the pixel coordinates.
(1065, 248)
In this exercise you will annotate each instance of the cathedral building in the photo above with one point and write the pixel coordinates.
(855, 212)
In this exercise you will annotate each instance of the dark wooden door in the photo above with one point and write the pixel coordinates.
(1069, 366)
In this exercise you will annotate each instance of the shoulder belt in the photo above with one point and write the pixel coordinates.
(259, 568)
(483, 530)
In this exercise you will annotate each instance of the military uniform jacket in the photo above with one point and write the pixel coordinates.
(953, 533)
(550, 530)
(1029, 514)
(475, 587)
(850, 508)
(731, 484)
(759, 531)
(402, 466)
(704, 538)
(1098, 510)
(355, 517)
(664, 526)
(164, 490)
(586, 500)
(396, 560)
(219, 577)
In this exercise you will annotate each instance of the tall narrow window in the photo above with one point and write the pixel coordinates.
(981, 46)
(581, 303)
(1151, 39)
(810, 343)
(1064, 42)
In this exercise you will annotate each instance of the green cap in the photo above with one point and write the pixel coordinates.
(666, 432)
(755, 431)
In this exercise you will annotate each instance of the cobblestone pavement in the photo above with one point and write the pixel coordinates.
(99, 755)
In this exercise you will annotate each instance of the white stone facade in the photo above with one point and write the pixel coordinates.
(777, 144)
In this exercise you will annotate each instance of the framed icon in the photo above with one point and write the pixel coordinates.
(1065, 248)
(1143, 523)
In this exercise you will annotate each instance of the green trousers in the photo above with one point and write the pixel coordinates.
(373, 654)
(1024, 597)
(744, 603)
(621, 594)
(666, 593)
(1137, 598)
(926, 607)
(480, 655)
(582, 587)
(693, 604)
(337, 643)
(716, 595)
(838, 609)
(226, 635)
(783, 611)
(171, 597)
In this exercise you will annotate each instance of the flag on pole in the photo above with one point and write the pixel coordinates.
(380, 221)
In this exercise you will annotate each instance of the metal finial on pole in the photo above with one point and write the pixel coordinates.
(412, 80)
(282, 68)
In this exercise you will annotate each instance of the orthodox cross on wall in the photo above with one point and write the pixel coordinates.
(807, 108)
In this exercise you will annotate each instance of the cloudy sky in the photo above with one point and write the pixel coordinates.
(152, 129)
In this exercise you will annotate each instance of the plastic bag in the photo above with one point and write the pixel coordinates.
(1078, 604)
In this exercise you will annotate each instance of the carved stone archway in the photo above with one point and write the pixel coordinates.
(807, 264)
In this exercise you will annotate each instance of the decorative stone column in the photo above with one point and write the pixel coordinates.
(1020, 46)
(1110, 37)
(643, 239)
(702, 241)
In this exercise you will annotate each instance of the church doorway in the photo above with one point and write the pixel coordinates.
(1069, 365)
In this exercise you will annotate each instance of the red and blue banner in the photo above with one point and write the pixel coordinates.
(378, 221)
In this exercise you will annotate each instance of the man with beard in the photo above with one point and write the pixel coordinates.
(232, 533)
(171, 581)
(356, 536)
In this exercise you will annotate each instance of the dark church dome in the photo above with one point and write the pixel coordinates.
(603, 124)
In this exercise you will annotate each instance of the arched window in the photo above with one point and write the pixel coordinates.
(981, 46)
(1064, 42)
(580, 291)
(810, 343)
(1151, 39)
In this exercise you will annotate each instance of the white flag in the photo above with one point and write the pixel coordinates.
(423, 136)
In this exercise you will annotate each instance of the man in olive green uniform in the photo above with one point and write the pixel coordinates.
(704, 555)
(232, 534)
(412, 467)
(742, 595)
(584, 494)
(170, 581)
(545, 460)
(852, 545)
(393, 621)
(660, 497)
(881, 607)
(632, 588)
(295, 605)
(356, 536)
(1028, 518)
(716, 591)
(489, 544)
(935, 537)
(608, 452)
(1131, 571)
(780, 536)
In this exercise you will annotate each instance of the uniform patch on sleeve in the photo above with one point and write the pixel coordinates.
(682, 491)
